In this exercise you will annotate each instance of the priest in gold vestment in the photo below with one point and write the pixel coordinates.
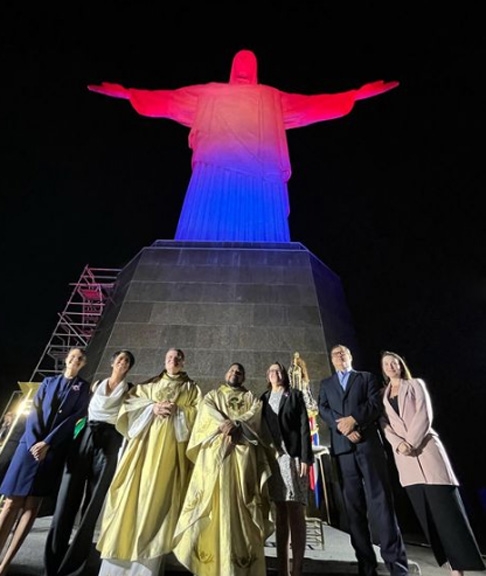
(225, 518)
(147, 491)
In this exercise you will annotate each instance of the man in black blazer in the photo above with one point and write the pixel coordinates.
(350, 403)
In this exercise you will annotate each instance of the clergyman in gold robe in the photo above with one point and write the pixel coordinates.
(225, 519)
(147, 491)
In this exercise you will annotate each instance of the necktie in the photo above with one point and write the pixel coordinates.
(342, 380)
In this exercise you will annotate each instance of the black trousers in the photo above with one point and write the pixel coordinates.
(88, 472)
(368, 499)
(441, 514)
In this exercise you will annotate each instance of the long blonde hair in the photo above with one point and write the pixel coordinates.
(405, 373)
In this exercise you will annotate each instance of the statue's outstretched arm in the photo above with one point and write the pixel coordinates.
(374, 89)
(179, 105)
(300, 110)
(109, 89)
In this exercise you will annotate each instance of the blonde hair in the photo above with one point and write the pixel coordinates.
(405, 373)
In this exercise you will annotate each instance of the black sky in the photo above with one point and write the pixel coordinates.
(389, 197)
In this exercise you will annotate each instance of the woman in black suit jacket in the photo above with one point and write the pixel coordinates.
(287, 421)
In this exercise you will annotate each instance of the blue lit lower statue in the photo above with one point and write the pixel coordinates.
(240, 162)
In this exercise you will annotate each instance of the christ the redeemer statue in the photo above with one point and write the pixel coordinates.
(240, 160)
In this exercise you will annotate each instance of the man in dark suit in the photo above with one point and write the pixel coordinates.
(350, 403)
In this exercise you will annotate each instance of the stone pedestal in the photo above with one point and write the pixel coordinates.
(254, 303)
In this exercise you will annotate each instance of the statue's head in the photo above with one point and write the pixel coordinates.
(244, 68)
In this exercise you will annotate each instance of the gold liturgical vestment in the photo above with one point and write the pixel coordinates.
(147, 491)
(225, 519)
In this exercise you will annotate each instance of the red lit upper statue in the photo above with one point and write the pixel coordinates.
(240, 161)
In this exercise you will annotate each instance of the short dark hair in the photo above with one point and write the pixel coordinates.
(82, 350)
(285, 376)
(340, 346)
(241, 368)
(128, 354)
(180, 353)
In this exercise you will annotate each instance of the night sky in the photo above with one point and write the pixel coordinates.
(389, 197)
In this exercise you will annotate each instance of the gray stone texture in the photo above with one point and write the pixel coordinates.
(254, 303)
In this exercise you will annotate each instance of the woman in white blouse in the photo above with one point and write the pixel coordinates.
(89, 469)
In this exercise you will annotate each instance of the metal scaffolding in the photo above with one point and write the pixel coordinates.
(78, 321)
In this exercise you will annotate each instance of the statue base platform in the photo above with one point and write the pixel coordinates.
(254, 303)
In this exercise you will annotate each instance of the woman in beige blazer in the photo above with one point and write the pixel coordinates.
(424, 468)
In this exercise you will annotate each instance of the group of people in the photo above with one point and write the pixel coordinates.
(211, 477)
(359, 412)
(163, 468)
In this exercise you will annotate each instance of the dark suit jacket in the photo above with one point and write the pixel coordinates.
(362, 400)
(294, 424)
(52, 420)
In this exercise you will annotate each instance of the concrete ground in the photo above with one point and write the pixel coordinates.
(328, 552)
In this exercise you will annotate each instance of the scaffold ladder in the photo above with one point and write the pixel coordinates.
(78, 321)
